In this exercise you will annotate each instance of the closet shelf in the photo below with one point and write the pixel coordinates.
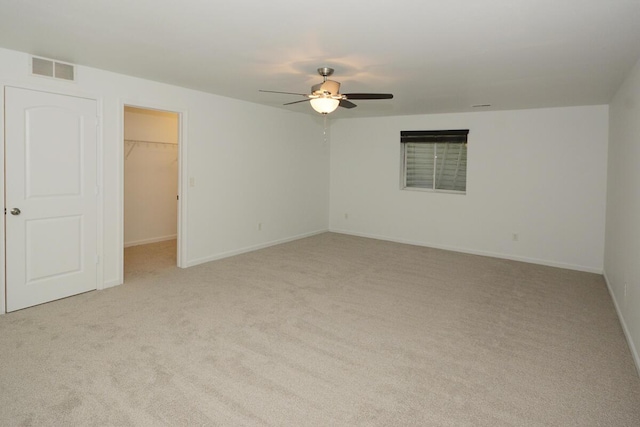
(135, 142)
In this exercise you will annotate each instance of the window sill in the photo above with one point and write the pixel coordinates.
(430, 190)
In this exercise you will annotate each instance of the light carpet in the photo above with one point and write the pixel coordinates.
(330, 330)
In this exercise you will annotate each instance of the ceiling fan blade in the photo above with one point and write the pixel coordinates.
(346, 104)
(295, 102)
(368, 95)
(285, 93)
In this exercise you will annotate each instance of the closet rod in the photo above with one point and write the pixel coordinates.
(133, 141)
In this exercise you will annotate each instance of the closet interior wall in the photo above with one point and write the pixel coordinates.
(150, 176)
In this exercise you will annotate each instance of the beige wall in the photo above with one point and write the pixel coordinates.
(622, 248)
(539, 173)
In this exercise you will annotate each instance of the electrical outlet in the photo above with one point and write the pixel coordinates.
(515, 237)
(192, 182)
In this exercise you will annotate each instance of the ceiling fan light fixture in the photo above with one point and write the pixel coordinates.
(324, 105)
(325, 97)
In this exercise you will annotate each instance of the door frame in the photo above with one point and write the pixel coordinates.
(181, 260)
(99, 178)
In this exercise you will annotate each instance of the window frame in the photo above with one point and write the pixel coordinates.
(430, 137)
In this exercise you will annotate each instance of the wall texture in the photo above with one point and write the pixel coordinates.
(150, 176)
(622, 246)
(538, 173)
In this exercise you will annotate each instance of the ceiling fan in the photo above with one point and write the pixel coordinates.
(325, 97)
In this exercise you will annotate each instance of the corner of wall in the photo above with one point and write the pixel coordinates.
(625, 329)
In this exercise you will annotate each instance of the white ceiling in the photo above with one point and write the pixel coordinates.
(434, 56)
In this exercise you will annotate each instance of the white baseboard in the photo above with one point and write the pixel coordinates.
(151, 240)
(110, 284)
(191, 263)
(474, 252)
(625, 329)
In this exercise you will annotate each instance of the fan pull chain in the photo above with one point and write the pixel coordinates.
(324, 131)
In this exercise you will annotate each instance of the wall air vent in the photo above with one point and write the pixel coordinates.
(51, 68)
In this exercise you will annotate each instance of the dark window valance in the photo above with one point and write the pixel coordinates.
(434, 136)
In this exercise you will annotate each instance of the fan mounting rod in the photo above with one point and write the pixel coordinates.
(325, 72)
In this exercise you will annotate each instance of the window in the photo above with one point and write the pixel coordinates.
(434, 160)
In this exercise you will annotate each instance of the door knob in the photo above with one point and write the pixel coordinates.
(15, 211)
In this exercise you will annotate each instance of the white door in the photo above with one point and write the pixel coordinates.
(51, 196)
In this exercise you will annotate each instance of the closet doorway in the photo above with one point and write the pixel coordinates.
(151, 170)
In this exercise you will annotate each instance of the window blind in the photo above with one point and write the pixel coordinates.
(435, 159)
